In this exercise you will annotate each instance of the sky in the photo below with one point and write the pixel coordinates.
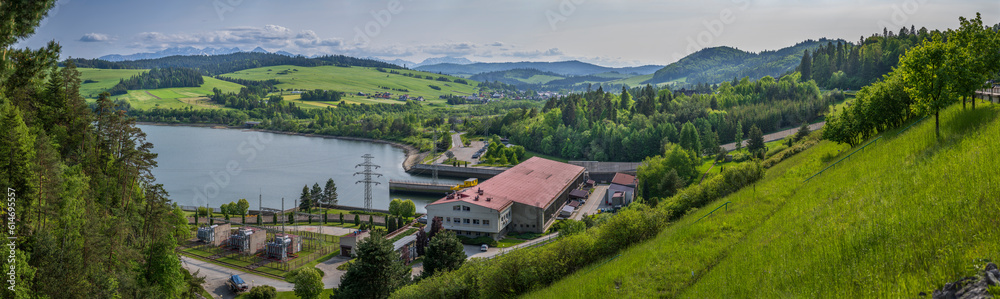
(604, 32)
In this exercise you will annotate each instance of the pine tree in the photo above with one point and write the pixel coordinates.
(444, 253)
(756, 142)
(376, 272)
(805, 67)
(739, 135)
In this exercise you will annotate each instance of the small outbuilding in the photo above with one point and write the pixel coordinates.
(406, 247)
(350, 241)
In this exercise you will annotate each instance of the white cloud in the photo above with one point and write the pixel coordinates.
(270, 36)
(96, 37)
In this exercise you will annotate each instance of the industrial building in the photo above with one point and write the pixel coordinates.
(525, 198)
(283, 246)
(350, 241)
(622, 190)
(248, 240)
(214, 235)
(407, 248)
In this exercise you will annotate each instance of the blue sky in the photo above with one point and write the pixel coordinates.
(605, 32)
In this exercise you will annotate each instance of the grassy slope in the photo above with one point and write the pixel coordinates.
(105, 80)
(905, 215)
(178, 97)
(351, 80)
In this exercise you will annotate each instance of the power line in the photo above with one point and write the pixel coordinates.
(368, 173)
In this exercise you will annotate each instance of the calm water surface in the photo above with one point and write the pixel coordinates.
(200, 166)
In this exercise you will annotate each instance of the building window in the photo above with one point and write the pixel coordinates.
(456, 208)
(486, 222)
(466, 220)
(448, 219)
(464, 208)
(457, 221)
(475, 221)
(477, 234)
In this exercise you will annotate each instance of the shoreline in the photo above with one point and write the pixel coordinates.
(413, 156)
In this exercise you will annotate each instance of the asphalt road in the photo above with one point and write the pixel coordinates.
(593, 202)
(216, 276)
(776, 135)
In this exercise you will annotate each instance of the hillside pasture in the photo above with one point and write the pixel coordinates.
(352, 80)
(905, 215)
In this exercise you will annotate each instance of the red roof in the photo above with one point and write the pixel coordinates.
(624, 180)
(535, 182)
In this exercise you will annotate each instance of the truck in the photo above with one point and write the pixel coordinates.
(236, 284)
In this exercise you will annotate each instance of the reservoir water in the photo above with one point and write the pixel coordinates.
(201, 166)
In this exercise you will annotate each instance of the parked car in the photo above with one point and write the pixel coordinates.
(422, 219)
(484, 248)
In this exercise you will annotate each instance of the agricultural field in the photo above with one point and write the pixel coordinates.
(856, 230)
(105, 79)
(352, 80)
(179, 97)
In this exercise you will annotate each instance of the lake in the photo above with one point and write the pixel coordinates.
(199, 166)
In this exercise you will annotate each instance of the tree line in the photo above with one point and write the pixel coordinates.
(940, 70)
(159, 78)
(228, 63)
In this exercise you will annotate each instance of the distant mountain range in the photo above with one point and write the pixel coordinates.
(185, 51)
(428, 61)
(564, 68)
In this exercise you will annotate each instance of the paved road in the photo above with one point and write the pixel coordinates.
(593, 202)
(776, 135)
(216, 276)
(472, 251)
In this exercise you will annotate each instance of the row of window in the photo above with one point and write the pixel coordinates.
(467, 221)
(471, 233)
(460, 208)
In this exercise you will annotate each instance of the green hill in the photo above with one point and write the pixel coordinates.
(352, 80)
(904, 215)
(713, 65)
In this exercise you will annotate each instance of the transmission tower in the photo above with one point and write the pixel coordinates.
(368, 173)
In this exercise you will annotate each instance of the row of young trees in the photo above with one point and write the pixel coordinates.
(84, 216)
(941, 69)
(159, 78)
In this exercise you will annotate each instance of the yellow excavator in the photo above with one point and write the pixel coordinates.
(466, 184)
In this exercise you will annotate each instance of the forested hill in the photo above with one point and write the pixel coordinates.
(565, 68)
(221, 64)
(713, 65)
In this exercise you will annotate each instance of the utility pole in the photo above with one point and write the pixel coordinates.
(434, 147)
(368, 173)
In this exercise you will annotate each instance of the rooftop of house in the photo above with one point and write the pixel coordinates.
(624, 180)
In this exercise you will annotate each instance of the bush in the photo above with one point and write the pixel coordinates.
(478, 241)
(808, 142)
(262, 292)
(732, 179)
(522, 270)
(202, 211)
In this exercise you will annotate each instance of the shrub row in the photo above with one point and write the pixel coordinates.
(526, 269)
(806, 143)
(732, 179)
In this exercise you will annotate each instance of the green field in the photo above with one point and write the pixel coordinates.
(105, 80)
(178, 97)
(905, 215)
(352, 80)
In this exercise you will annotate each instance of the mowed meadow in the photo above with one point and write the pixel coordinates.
(352, 80)
(905, 215)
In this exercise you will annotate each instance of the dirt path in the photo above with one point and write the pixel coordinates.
(776, 135)
(152, 95)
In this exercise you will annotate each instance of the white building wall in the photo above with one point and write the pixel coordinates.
(469, 219)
